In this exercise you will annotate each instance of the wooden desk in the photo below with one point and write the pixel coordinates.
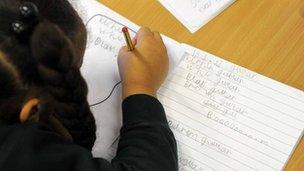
(266, 36)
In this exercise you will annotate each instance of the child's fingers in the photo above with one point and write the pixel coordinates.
(143, 32)
(134, 40)
(157, 36)
(123, 49)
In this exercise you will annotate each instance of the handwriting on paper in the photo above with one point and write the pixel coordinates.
(211, 105)
(100, 71)
(107, 34)
(197, 136)
(187, 163)
(204, 5)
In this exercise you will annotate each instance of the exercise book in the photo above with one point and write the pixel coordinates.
(224, 116)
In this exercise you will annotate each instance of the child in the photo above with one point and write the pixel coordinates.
(44, 114)
(42, 62)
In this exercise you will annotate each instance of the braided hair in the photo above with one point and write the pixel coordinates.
(42, 44)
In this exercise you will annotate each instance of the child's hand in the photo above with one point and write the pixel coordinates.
(143, 70)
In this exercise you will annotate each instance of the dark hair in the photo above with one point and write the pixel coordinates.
(45, 64)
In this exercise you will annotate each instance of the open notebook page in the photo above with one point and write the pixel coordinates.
(194, 14)
(226, 117)
(100, 67)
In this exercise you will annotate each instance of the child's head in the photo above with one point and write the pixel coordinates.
(37, 55)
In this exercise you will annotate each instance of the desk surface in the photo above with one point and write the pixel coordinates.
(266, 36)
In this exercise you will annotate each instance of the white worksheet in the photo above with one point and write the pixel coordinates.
(100, 68)
(194, 14)
(224, 117)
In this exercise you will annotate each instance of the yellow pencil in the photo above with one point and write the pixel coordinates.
(128, 38)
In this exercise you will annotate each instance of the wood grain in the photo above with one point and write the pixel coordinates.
(266, 36)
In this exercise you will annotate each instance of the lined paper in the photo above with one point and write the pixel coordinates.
(100, 68)
(194, 14)
(226, 117)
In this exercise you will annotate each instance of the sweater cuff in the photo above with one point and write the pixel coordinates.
(142, 108)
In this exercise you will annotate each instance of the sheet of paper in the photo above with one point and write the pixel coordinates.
(100, 67)
(226, 117)
(194, 14)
